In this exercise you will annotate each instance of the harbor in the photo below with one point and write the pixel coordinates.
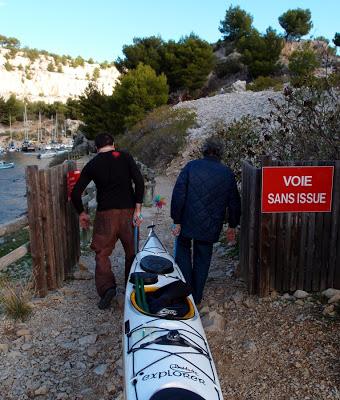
(13, 184)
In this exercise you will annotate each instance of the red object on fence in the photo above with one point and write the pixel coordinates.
(72, 178)
(297, 189)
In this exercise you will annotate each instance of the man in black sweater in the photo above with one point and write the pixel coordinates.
(119, 208)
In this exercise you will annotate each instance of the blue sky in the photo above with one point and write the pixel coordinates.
(100, 28)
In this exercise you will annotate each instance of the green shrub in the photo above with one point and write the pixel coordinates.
(261, 53)
(96, 74)
(244, 136)
(186, 63)
(64, 60)
(296, 23)
(90, 61)
(105, 64)
(78, 62)
(50, 67)
(236, 23)
(264, 83)
(60, 68)
(57, 59)
(8, 66)
(306, 125)
(159, 137)
(302, 65)
(139, 91)
(87, 76)
(228, 67)
(32, 54)
(14, 298)
(322, 39)
(20, 67)
(336, 39)
(9, 42)
(13, 52)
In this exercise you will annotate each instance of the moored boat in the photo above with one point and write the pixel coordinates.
(27, 147)
(47, 154)
(51, 153)
(12, 148)
(6, 165)
(165, 350)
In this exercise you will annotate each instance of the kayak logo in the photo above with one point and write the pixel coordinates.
(115, 154)
(176, 367)
(175, 372)
(165, 311)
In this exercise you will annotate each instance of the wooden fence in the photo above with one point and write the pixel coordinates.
(54, 227)
(288, 251)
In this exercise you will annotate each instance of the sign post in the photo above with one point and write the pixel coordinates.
(297, 189)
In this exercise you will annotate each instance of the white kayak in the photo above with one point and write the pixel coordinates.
(165, 351)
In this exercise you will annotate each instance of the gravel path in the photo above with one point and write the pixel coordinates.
(272, 348)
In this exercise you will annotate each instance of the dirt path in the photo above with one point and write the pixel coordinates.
(272, 348)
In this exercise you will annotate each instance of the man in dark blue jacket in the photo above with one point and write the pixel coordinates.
(204, 191)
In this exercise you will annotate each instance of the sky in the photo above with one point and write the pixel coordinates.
(100, 28)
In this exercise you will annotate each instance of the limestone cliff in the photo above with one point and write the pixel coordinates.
(35, 81)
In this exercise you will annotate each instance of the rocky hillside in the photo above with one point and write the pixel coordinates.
(227, 108)
(43, 79)
(223, 108)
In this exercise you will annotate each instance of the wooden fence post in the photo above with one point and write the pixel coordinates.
(264, 243)
(333, 276)
(47, 224)
(36, 233)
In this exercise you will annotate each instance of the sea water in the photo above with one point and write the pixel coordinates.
(13, 202)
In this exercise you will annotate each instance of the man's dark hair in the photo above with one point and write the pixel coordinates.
(103, 139)
(213, 146)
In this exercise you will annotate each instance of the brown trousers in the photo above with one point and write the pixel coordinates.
(109, 226)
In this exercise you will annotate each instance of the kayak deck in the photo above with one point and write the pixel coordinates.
(163, 353)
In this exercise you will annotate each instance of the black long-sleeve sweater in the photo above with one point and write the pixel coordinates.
(113, 173)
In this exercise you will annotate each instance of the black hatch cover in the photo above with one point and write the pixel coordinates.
(176, 393)
(156, 265)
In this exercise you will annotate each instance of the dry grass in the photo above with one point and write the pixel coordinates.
(14, 299)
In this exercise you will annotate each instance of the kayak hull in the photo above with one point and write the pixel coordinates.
(161, 354)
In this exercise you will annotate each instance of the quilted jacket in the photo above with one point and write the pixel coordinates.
(203, 192)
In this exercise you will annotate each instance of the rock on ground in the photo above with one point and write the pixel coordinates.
(300, 294)
(330, 292)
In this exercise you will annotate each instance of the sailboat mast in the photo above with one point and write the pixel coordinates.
(52, 129)
(39, 129)
(10, 127)
(25, 123)
(56, 125)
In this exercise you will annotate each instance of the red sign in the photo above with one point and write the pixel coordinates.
(297, 189)
(72, 178)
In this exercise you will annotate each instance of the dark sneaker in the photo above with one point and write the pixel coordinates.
(105, 301)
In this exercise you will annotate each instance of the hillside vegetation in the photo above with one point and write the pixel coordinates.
(304, 71)
(155, 72)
